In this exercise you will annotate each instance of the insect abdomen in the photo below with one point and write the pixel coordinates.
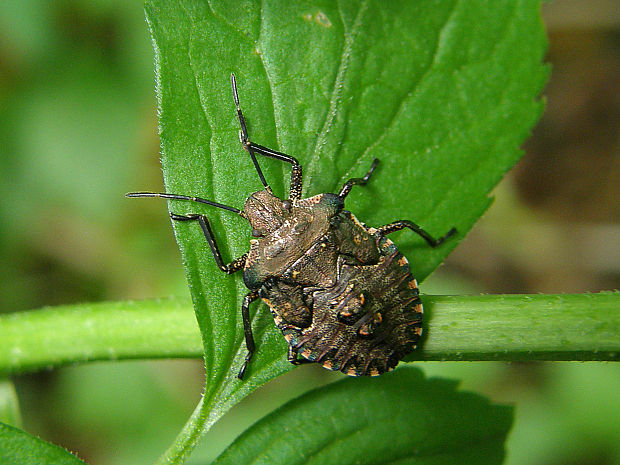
(367, 322)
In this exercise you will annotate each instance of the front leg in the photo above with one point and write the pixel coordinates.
(236, 265)
(357, 181)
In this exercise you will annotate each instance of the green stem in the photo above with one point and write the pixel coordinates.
(521, 327)
(56, 336)
(486, 327)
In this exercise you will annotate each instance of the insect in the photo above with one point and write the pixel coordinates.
(340, 292)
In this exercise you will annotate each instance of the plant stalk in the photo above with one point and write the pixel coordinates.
(483, 327)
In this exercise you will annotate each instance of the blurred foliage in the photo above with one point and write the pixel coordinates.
(76, 84)
(23, 448)
(77, 99)
(400, 417)
(9, 404)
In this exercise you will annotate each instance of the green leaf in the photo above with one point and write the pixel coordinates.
(18, 447)
(442, 92)
(9, 404)
(397, 418)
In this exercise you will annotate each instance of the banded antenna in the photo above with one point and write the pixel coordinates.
(185, 197)
(245, 140)
(246, 144)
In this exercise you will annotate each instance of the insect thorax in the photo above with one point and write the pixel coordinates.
(285, 235)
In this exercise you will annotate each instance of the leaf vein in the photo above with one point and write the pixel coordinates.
(330, 115)
(271, 85)
(401, 108)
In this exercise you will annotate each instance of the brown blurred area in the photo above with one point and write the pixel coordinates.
(555, 224)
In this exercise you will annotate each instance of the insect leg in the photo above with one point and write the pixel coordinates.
(293, 357)
(398, 225)
(235, 265)
(353, 181)
(247, 330)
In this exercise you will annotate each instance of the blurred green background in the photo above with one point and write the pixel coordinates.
(78, 129)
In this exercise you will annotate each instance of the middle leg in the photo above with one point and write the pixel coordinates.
(247, 330)
(398, 225)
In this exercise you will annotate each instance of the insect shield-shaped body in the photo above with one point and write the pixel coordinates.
(340, 292)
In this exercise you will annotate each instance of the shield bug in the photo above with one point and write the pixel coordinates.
(339, 291)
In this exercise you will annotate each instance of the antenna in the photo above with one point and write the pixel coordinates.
(245, 140)
(185, 197)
